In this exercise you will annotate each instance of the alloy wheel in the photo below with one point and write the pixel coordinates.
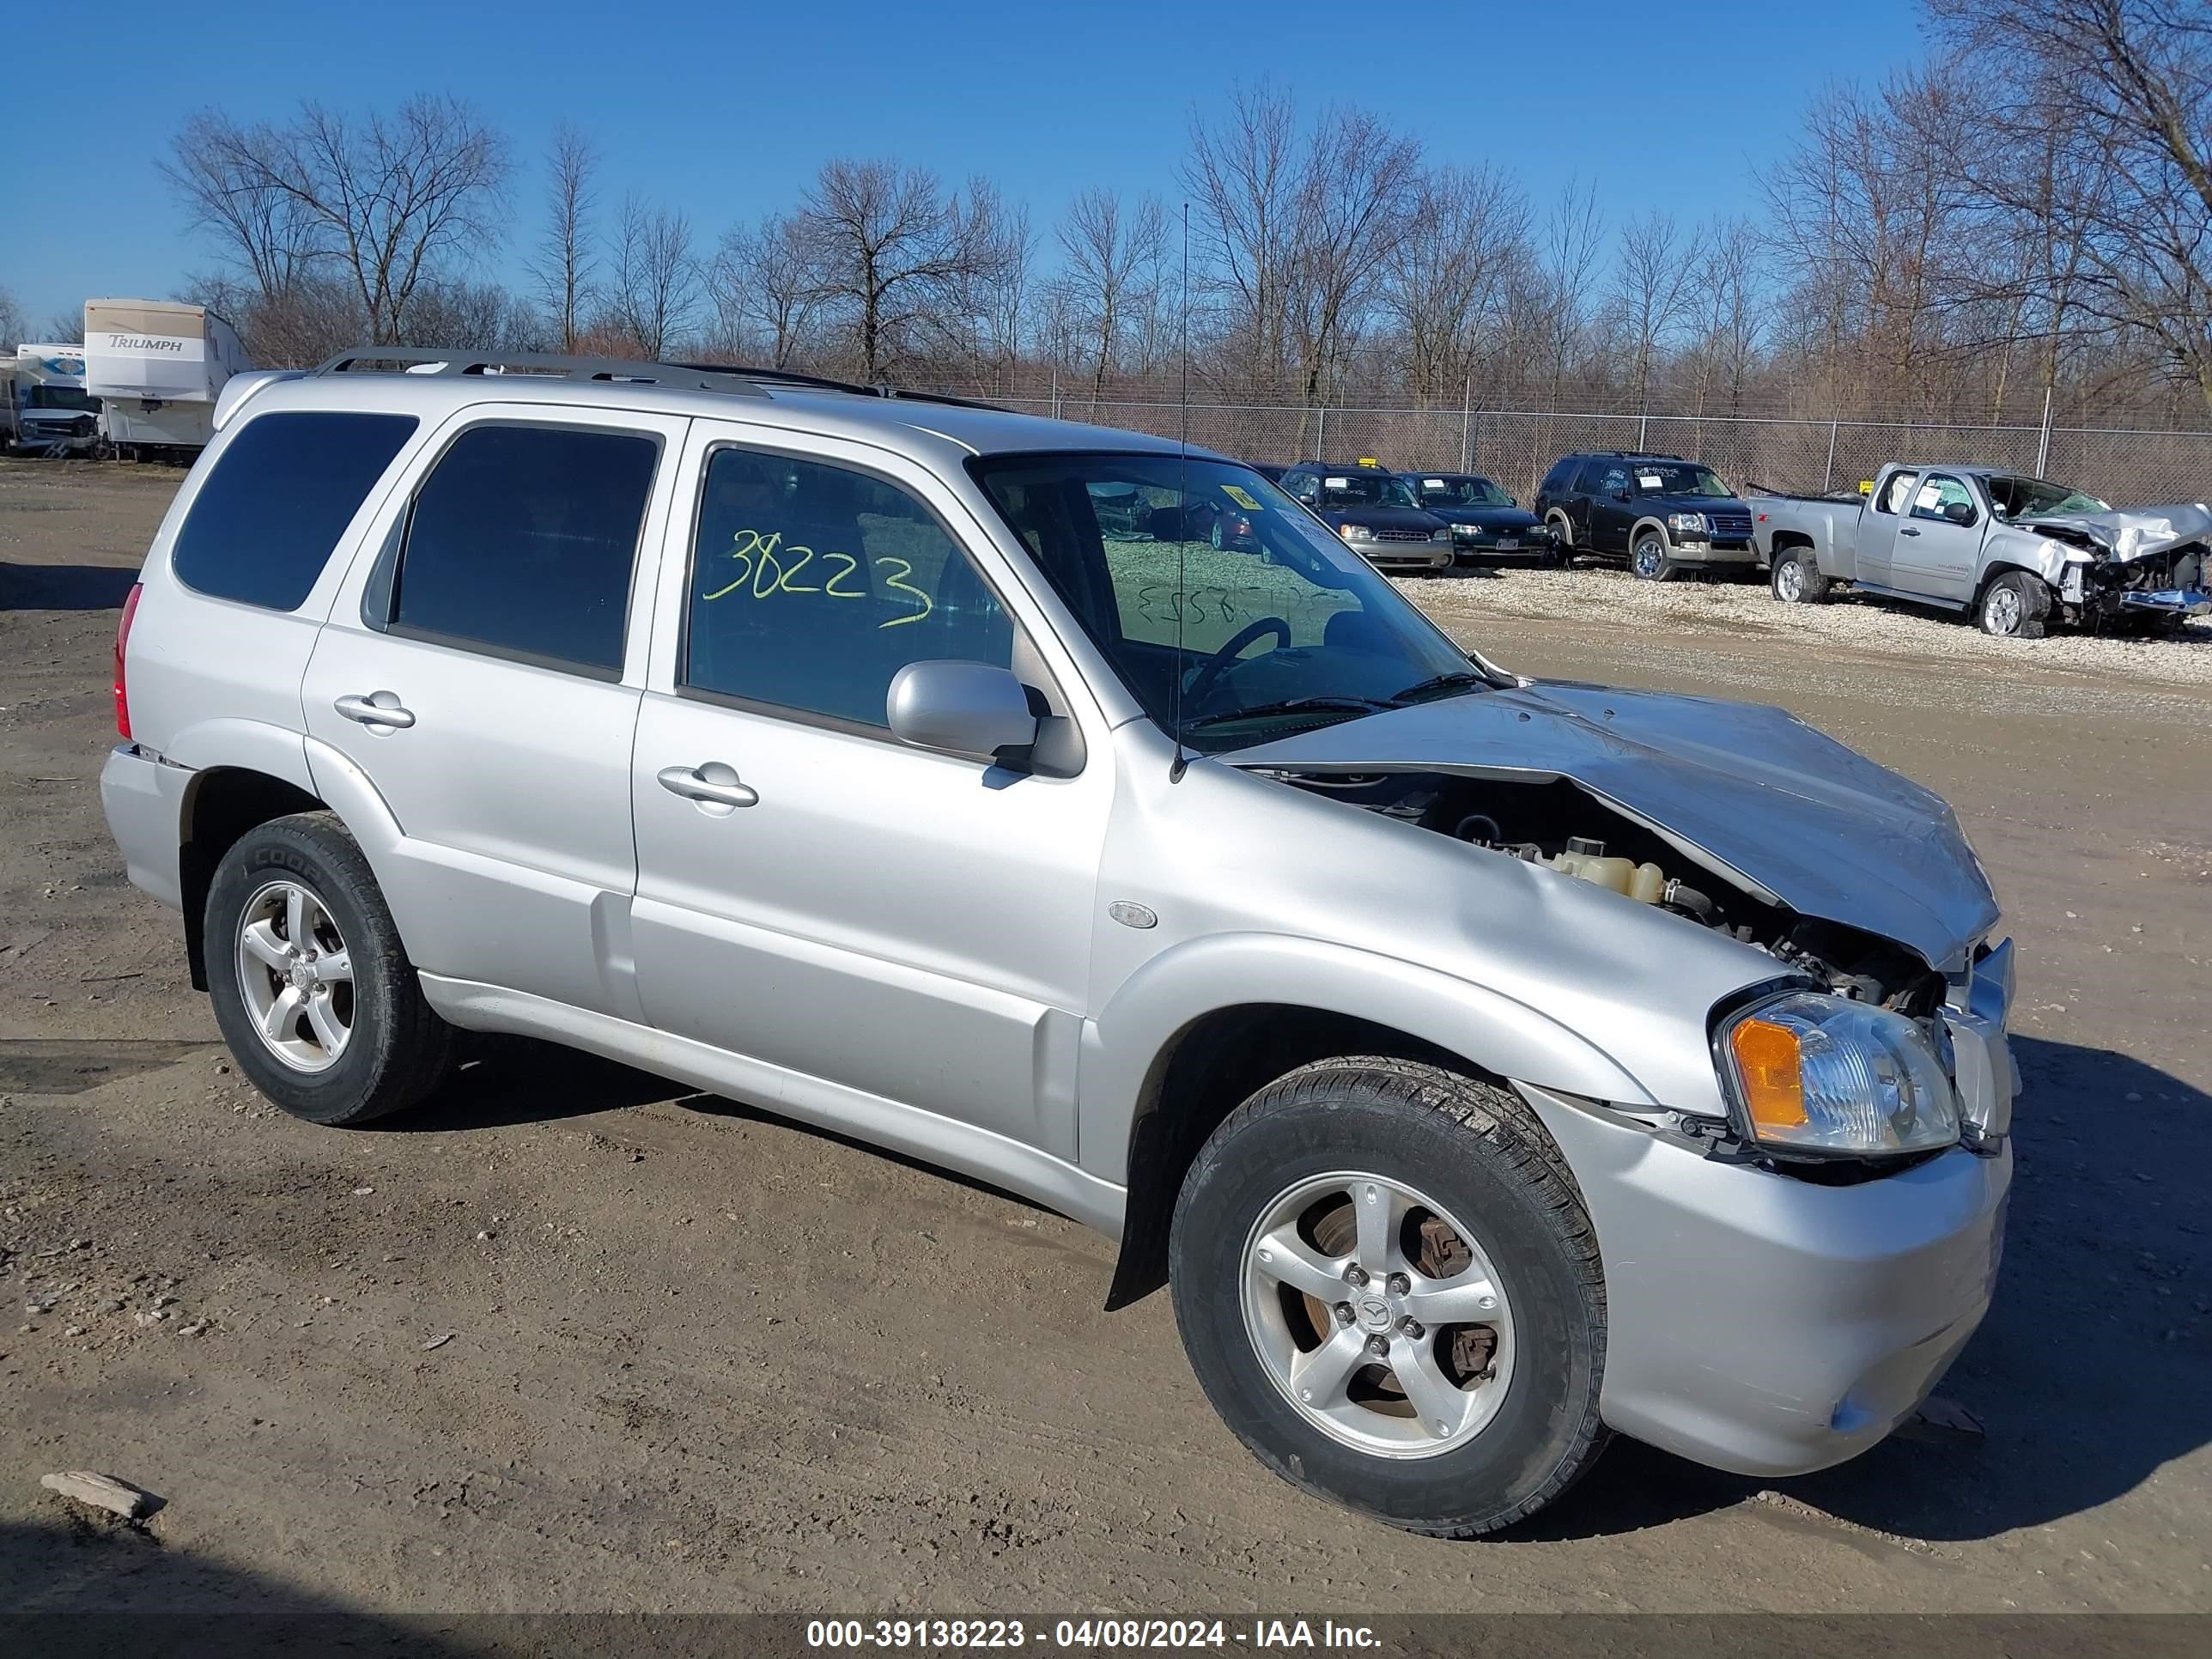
(296, 975)
(1377, 1314)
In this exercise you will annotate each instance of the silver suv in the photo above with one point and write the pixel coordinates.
(1485, 1065)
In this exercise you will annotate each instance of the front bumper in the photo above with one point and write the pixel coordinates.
(143, 797)
(1404, 556)
(1469, 542)
(1766, 1325)
(1714, 552)
(2169, 601)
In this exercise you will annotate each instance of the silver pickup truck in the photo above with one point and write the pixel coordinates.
(2014, 551)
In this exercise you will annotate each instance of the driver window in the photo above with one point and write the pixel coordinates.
(1895, 493)
(1936, 498)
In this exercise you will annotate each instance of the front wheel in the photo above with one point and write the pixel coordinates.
(1649, 559)
(2012, 606)
(311, 990)
(1389, 1289)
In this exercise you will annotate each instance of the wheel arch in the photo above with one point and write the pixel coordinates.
(1636, 530)
(1172, 1056)
(1783, 541)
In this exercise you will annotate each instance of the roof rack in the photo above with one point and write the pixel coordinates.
(822, 383)
(448, 361)
(735, 379)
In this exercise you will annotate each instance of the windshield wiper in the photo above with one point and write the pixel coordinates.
(1292, 706)
(1447, 682)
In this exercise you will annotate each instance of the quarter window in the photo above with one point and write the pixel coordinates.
(282, 491)
(522, 544)
(813, 585)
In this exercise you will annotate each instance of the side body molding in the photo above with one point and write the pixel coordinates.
(1182, 985)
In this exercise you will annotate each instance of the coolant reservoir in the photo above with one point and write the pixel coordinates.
(1645, 882)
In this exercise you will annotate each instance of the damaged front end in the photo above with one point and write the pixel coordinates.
(2142, 566)
(1732, 817)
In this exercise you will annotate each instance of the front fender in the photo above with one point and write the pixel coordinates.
(1183, 984)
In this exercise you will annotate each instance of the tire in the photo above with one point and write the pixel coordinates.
(1563, 538)
(303, 875)
(1221, 541)
(2012, 606)
(1445, 1144)
(1648, 558)
(1796, 578)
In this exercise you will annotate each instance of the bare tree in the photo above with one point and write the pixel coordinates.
(11, 321)
(653, 290)
(224, 176)
(2119, 94)
(768, 279)
(1109, 252)
(893, 245)
(1566, 258)
(565, 258)
(389, 198)
(1447, 280)
(1246, 175)
(65, 328)
(1649, 285)
(1724, 304)
(1354, 210)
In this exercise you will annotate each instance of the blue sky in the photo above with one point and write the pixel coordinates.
(726, 110)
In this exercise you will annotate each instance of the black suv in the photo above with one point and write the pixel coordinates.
(1374, 513)
(1660, 512)
(1486, 522)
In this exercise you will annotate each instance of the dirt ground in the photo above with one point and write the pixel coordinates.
(572, 1338)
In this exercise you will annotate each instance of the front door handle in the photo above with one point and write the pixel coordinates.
(377, 708)
(1906, 530)
(713, 784)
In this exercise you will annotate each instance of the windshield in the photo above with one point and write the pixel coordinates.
(60, 396)
(1343, 490)
(1678, 478)
(2037, 498)
(1459, 490)
(1224, 595)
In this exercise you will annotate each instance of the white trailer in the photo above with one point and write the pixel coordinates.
(157, 367)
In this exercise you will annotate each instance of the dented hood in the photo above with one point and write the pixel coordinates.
(1753, 792)
(2131, 533)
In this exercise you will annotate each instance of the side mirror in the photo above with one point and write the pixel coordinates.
(1959, 513)
(971, 709)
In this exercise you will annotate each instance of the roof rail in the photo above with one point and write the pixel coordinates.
(448, 361)
(822, 383)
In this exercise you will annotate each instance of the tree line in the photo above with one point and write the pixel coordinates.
(2024, 214)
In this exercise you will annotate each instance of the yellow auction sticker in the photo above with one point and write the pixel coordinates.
(1242, 498)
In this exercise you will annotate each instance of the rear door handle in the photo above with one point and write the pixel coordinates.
(714, 784)
(377, 708)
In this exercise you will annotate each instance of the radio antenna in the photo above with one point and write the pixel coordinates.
(1181, 762)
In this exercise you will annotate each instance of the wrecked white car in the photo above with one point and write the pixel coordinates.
(2016, 552)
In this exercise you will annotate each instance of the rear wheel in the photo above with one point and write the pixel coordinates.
(1649, 559)
(311, 988)
(2012, 606)
(1389, 1290)
(1796, 578)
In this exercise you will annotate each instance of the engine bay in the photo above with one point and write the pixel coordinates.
(1560, 827)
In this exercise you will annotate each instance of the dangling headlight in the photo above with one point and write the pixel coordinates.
(1815, 1073)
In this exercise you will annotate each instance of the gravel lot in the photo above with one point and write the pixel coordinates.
(572, 1338)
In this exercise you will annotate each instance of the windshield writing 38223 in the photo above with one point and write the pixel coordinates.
(766, 566)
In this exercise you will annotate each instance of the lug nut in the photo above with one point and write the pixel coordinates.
(1377, 1346)
(1411, 1326)
(1400, 1284)
(1355, 1276)
(1344, 1313)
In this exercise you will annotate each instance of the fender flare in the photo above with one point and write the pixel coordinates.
(1126, 1045)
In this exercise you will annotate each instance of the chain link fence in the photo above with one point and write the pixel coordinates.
(2126, 466)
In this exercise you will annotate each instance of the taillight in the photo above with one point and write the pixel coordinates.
(122, 645)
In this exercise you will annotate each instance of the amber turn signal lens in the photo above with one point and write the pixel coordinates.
(1768, 1065)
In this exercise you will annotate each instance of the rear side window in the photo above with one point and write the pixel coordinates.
(281, 493)
(522, 544)
(1555, 481)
